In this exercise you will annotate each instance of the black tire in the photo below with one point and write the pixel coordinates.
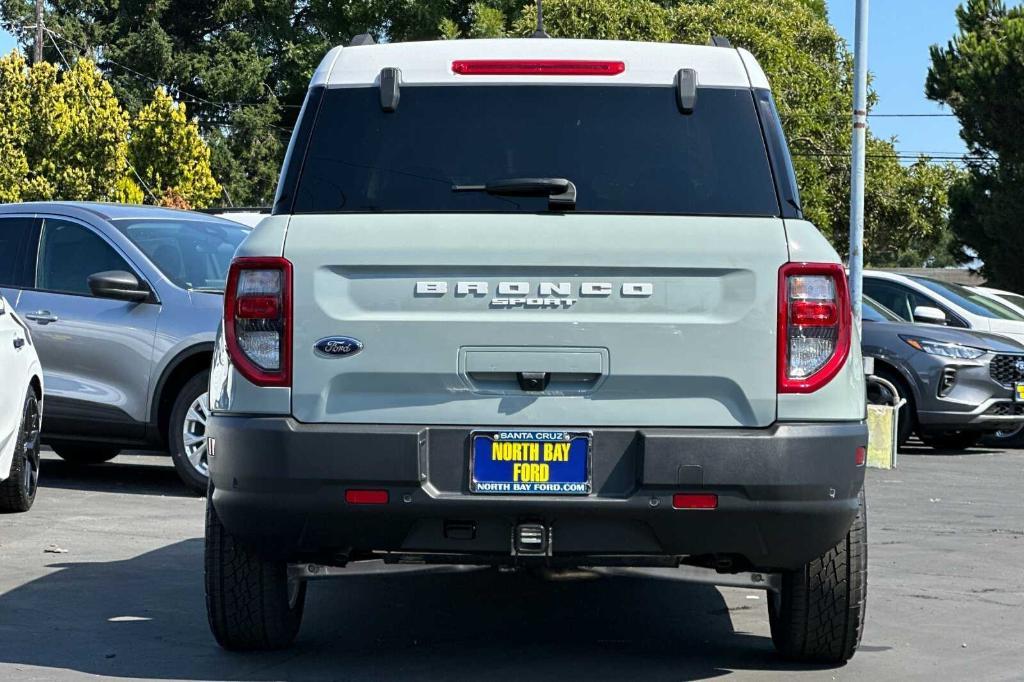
(194, 475)
(953, 440)
(18, 490)
(249, 602)
(85, 453)
(908, 413)
(818, 615)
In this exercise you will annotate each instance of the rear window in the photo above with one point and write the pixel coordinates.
(628, 149)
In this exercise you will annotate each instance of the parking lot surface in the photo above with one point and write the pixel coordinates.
(104, 578)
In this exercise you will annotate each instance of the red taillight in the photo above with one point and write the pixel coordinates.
(258, 307)
(258, 319)
(695, 501)
(860, 457)
(814, 325)
(366, 496)
(537, 67)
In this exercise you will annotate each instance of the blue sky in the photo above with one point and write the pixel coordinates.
(901, 31)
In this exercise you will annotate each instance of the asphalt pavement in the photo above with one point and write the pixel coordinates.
(104, 578)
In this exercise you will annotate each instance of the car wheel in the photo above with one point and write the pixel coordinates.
(908, 413)
(18, 490)
(187, 432)
(818, 614)
(953, 440)
(84, 453)
(251, 603)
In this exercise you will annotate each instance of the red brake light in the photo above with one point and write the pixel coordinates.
(815, 324)
(258, 319)
(366, 496)
(860, 456)
(258, 307)
(537, 67)
(695, 501)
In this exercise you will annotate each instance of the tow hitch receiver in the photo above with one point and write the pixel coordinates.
(531, 539)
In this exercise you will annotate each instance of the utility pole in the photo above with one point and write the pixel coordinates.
(860, 132)
(37, 51)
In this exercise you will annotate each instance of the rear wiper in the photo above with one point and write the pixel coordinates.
(561, 193)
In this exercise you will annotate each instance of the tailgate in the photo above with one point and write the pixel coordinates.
(617, 320)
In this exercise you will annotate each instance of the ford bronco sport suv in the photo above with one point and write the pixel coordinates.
(538, 302)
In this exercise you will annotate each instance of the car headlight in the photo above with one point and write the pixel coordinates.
(948, 350)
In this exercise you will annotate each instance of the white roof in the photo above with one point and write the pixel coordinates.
(646, 63)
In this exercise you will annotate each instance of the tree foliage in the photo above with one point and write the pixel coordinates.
(64, 135)
(979, 74)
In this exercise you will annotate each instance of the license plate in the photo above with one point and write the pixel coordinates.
(1018, 392)
(529, 462)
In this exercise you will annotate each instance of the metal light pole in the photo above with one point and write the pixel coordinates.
(860, 131)
(37, 50)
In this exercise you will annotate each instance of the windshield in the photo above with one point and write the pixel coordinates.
(627, 149)
(873, 311)
(194, 254)
(1015, 299)
(971, 301)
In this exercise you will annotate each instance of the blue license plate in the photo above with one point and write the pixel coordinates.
(530, 462)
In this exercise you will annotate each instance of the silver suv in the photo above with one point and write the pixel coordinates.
(124, 303)
(538, 303)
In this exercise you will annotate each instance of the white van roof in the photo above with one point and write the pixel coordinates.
(430, 63)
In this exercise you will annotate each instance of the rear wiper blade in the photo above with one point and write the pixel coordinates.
(561, 193)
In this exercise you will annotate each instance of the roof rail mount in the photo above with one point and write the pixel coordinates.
(720, 41)
(686, 90)
(390, 90)
(362, 39)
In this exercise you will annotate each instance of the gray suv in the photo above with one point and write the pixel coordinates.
(123, 302)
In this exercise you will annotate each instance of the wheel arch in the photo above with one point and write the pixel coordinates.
(183, 367)
(902, 374)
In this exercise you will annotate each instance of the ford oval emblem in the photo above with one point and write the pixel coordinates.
(1020, 366)
(337, 346)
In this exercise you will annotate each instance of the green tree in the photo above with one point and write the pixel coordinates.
(170, 156)
(979, 74)
(64, 134)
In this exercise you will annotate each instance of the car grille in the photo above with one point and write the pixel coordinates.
(1006, 410)
(1004, 369)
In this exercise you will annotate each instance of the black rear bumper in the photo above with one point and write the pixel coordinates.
(785, 494)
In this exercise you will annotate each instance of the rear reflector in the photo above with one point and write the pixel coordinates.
(695, 501)
(860, 457)
(537, 67)
(366, 496)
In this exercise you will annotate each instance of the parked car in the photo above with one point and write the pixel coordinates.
(958, 384)
(21, 411)
(585, 324)
(123, 302)
(924, 299)
(1010, 437)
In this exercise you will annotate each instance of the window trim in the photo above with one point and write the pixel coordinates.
(134, 269)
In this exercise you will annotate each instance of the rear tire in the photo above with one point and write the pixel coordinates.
(186, 432)
(84, 453)
(250, 602)
(18, 490)
(818, 615)
(954, 440)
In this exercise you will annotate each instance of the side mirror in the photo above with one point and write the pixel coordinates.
(929, 315)
(118, 284)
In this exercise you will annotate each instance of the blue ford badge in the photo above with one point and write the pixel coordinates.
(338, 346)
(1020, 366)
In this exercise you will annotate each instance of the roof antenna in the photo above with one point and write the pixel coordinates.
(540, 32)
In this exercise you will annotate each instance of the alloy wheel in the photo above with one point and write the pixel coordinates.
(193, 432)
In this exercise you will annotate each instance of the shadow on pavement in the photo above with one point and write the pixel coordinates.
(920, 450)
(145, 618)
(130, 475)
